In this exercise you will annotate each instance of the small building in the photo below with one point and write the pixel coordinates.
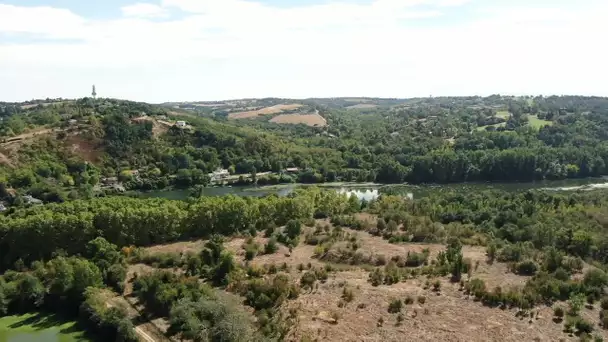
(219, 174)
(72, 121)
(292, 170)
(2, 207)
(110, 180)
(180, 124)
(31, 200)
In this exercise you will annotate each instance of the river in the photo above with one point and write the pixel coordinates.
(369, 191)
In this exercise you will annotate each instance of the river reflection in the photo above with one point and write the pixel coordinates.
(369, 192)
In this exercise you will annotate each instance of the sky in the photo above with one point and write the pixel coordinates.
(186, 50)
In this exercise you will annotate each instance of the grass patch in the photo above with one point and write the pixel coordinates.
(40, 327)
(503, 114)
(483, 128)
(535, 122)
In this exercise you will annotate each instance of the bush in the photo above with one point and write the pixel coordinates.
(409, 300)
(437, 286)
(348, 295)
(558, 312)
(271, 246)
(583, 326)
(416, 259)
(395, 306)
(308, 280)
(421, 299)
(527, 268)
(376, 278)
(604, 319)
(604, 303)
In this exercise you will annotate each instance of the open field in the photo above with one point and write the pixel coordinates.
(362, 106)
(314, 120)
(38, 327)
(483, 128)
(264, 111)
(29, 106)
(448, 314)
(535, 122)
(503, 114)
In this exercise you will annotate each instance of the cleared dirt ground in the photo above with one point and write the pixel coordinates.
(314, 120)
(449, 315)
(264, 111)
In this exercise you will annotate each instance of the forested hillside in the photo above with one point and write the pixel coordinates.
(316, 264)
(64, 148)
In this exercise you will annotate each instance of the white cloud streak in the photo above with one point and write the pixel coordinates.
(238, 48)
(144, 10)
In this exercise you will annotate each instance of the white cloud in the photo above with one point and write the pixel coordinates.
(144, 10)
(45, 21)
(237, 48)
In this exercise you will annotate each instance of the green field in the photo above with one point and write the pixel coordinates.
(503, 114)
(483, 128)
(40, 327)
(535, 122)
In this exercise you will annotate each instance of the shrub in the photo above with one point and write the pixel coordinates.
(527, 268)
(271, 246)
(395, 306)
(476, 287)
(604, 303)
(414, 259)
(558, 312)
(421, 299)
(583, 326)
(409, 300)
(400, 318)
(307, 280)
(250, 253)
(604, 319)
(348, 295)
(380, 260)
(437, 286)
(376, 278)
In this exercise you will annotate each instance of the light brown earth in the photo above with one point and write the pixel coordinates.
(314, 120)
(362, 106)
(264, 111)
(449, 316)
(44, 104)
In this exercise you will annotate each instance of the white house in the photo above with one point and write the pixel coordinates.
(219, 174)
(180, 124)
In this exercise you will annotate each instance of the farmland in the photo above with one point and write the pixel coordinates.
(264, 111)
(314, 120)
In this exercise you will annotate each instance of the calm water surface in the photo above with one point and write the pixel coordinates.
(372, 191)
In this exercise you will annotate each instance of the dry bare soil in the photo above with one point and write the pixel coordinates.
(449, 315)
(314, 120)
(264, 111)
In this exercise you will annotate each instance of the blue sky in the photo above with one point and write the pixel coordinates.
(172, 50)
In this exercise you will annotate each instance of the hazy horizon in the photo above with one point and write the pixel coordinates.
(208, 50)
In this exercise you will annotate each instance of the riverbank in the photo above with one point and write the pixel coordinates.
(40, 327)
(369, 191)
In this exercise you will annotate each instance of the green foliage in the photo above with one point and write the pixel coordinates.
(558, 312)
(264, 294)
(210, 319)
(308, 279)
(395, 306)
(527, 268)
(110, 323)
